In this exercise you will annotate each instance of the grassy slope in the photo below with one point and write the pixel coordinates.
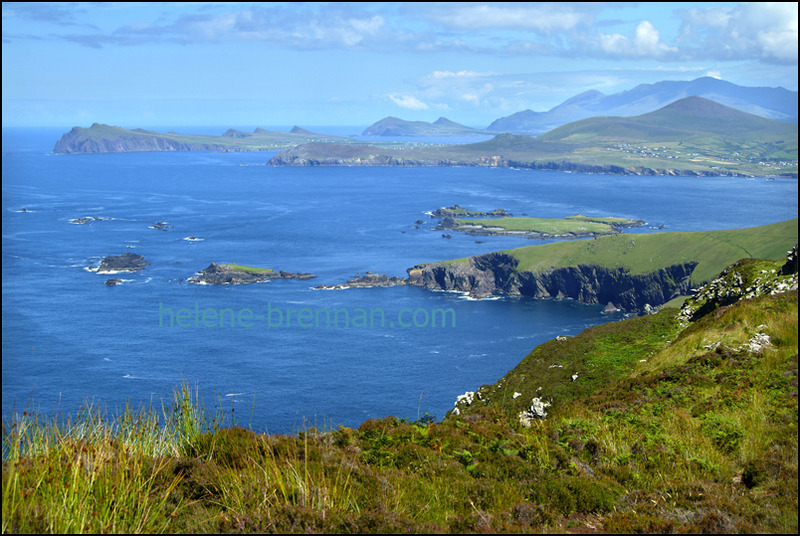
(643, 253)
(690, 440)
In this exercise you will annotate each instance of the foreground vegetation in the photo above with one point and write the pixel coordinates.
(670, 426)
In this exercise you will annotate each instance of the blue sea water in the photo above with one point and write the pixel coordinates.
(69, 339)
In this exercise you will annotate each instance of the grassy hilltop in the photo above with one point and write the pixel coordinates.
(653, 424)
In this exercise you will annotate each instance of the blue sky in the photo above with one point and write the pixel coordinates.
(267, 64)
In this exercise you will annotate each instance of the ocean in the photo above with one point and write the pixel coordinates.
(283, 356)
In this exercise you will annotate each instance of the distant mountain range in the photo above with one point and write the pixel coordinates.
(773, 103)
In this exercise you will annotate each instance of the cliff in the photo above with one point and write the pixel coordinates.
(497, 273)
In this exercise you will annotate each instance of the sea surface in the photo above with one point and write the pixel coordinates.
(282, 355)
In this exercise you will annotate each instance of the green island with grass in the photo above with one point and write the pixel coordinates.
(577, 226)
(238, 274)
(684, 421)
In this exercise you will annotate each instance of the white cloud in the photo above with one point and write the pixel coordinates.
(408, 102)
(545, 18)
(645, 43)
(765, 31)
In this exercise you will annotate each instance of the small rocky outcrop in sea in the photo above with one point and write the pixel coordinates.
(223, 274)
(129, 262)
(113, 282)
(86, 219)
(161, 225)
(368, 280)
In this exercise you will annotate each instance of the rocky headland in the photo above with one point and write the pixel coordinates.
(227, 274)
(497, 274)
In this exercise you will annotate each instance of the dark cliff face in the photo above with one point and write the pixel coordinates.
(496, 273)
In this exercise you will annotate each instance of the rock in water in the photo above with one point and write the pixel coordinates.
(129, 262)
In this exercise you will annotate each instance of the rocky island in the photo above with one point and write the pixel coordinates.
(87, 219)
(369, 280)
(235, 274)
(128, 262)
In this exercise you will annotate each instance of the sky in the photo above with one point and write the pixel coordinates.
(234, 64)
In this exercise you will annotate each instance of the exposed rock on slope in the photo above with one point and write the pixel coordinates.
(744, 279)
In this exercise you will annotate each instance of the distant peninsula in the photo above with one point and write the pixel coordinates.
(109, 139)
(236, 274)
(690, 137)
